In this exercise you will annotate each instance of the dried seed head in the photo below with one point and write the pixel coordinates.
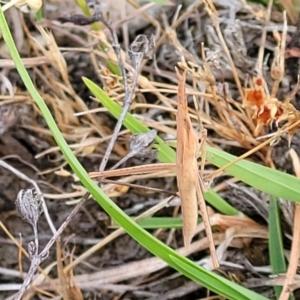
(28, 204)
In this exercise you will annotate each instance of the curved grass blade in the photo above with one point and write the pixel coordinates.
(216, 201)
(265, 179)
(276, 249)
(189, 269)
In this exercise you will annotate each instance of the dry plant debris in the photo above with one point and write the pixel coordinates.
(241, 105)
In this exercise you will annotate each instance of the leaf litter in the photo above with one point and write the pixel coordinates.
(217, 43)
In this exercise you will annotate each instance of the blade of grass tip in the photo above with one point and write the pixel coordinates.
(191, 270)
(165, 153)
(83, 6)
(276, 249)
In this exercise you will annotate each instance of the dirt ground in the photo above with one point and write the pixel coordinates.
(26, 144)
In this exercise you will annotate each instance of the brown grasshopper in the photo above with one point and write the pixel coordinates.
(190, 182)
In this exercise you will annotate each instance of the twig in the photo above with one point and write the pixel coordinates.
(138, 50)
(277, 68)
(183, 17)
(295, 250)
(263, 40)
(141, 48)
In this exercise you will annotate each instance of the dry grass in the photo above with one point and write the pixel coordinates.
(219, 48)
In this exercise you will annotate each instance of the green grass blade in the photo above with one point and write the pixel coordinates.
(39, 15)
(159, 222)
(277, 259)
(190, 269)
(265, 179)
(208, 279)
(162, 222)
(216, 201)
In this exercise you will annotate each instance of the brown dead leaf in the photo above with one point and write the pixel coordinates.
(186, 163)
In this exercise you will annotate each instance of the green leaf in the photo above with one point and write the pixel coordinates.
(265, 179)
(216, 201)
(159, 222)
(39, 15)
(190, 269)
(276, 249)
(162, 222)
